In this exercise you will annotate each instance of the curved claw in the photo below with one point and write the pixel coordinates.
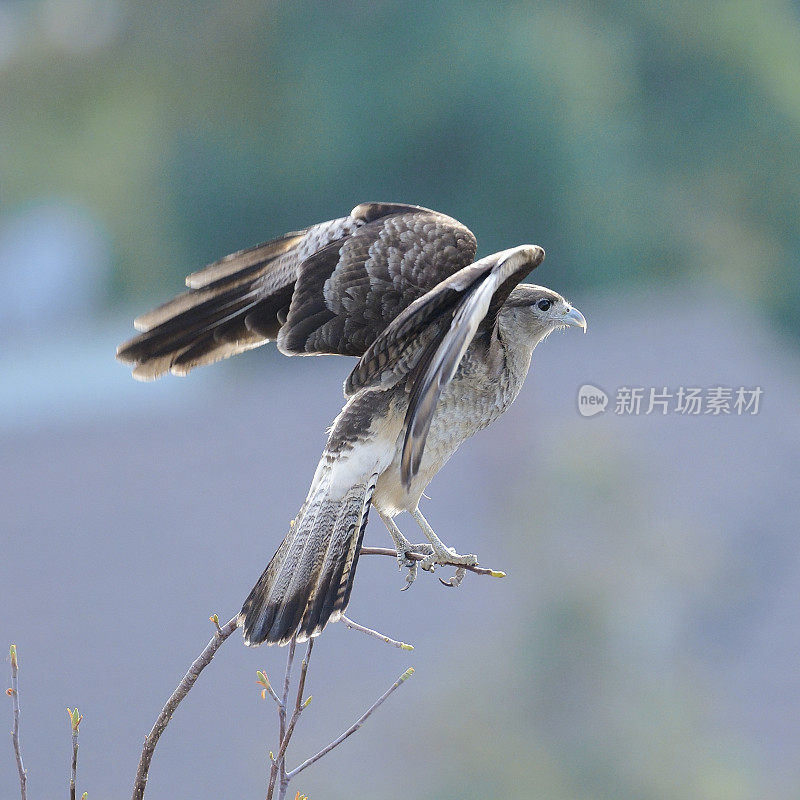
(412, 574)
(404, 562)
(455, 581)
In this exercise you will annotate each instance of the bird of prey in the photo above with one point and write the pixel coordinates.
(443, 344)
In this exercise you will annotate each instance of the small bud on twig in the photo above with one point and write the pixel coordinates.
(263, 681)
(13, 693)
(75, 718)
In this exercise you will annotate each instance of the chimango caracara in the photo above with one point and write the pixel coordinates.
(443, 344)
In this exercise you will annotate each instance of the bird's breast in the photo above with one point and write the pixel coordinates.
(476, 397)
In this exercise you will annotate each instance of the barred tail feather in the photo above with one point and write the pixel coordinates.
(309, 579)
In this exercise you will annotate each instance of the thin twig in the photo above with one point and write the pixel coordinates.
(353, 728)
(279, 762)
(388, 551)
(75, 721)
(348, 623)
(301, 687)
(199, 664)
(267, 689)
(14, 692)
(285, 700)
(286, 680)
(299, 705)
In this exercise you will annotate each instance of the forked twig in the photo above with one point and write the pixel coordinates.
(278, 761)
(353, 728)
(14, 694)
(278, 774)
(286, 731)
(199, 664)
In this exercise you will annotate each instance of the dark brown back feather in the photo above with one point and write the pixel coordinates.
(350, 291)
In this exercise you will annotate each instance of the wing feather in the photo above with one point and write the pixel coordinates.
(351, 290)
(332, 288)
(500, 272)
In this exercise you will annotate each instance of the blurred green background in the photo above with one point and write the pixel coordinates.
(642, 140)
(650, 646)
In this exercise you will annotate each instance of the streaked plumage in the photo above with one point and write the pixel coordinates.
(443, 342)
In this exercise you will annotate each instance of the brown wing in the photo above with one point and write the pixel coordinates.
(331, 288)
(350, 290)
(429, 338)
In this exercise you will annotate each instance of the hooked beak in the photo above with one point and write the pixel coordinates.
(574, 319)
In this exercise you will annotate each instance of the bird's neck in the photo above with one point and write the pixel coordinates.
(517, 338)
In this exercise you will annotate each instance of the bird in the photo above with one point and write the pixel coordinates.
(443, 342)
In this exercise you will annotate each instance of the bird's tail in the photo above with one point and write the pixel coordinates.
(234, 304)
(309, 579)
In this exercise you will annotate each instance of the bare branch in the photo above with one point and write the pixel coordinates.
(301, 687)
(353, 728)
(286, 680)
(14, 693)
(299, 705)
(278, 765)
(348, 623)
(279, 761)
(199, 664)
(388, 551)
(284, 701)
(74, 773)
(75, 718)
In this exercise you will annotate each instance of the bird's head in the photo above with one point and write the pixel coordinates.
(538, 311)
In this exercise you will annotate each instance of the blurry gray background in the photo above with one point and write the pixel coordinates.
(646, 642)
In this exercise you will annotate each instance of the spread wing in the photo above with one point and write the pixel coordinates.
(392, 284)
(331, 288)
(429, 338)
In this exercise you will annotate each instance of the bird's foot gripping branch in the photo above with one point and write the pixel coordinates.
(447, 560)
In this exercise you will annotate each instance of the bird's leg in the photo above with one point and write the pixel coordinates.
(441, 553)
(403, 547)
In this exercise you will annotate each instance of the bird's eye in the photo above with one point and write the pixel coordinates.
(544, 304)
